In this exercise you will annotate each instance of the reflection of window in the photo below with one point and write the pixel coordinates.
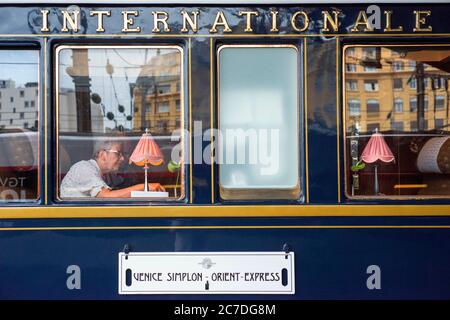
(354, 107)
(440, 102)
(162, 89)
(373, 106)
(162, 125)
(397, 65)
(413, 104)
(107, 98)
(438, 123)
(350, 52)
(19, 144)
(372, 127)
(370, 69)
(177, 105)
(369, 53)
(413, 83)
(27, 104)
(252, 108)
(163, 107)
(371, 85)
(398, 84)
(352, 85)
(413, 125)
(351, 67)
(398, 105)
(397, 125)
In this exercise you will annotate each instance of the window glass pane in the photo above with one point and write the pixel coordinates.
(259, 122)
(398, 144)
(19, 141)
(117, 116)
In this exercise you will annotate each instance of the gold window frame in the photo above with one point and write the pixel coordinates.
(38, 131)
(344, 122)
(249, 194)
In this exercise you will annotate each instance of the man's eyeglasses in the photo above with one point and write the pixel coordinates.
(119, 153)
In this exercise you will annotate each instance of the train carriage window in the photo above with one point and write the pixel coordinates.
(258, 122)
(19, 126)
(119, 126)
(398, 145)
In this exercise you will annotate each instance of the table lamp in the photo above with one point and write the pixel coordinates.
(377, 149)
(147, 152)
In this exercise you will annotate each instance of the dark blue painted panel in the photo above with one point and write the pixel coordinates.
(330, 263)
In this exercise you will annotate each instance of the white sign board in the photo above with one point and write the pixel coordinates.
(206, 273)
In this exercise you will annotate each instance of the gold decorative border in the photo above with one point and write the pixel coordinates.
(190, 118)
(338, 130)
(368, 197)
(227, 227)
(305, 116)
(211, 102)
(46, 160)
(182, 112)
(245, 35)
(250, 193)
(179, 211)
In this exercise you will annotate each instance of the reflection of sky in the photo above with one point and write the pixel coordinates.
(127, 63)
(19, 65)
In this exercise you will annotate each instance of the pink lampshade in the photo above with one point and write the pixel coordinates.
(147, 152)
(377, 149)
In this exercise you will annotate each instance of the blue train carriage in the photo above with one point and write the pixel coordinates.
(215, 150)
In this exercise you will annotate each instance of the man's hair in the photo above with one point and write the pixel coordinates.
(100, 145)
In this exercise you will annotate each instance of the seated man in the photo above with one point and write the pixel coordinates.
(85, 178)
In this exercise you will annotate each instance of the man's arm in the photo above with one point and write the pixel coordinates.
(126, 192)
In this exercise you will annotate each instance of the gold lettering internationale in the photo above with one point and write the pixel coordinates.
(420, 20)
(389, 28)
(67, 19)
(362, 20)
(45, 20)
(100, 15)
(157, 19)
(274, 21)
(248, 14)
(188, 20)
(305, 21)
(127, 22)
(333, 21)
(220, 20)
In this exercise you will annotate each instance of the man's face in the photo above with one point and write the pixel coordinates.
(113, 158)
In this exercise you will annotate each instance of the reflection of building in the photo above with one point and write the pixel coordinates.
(18, 106)
(381, 91)
(68, 113)
(156, 94)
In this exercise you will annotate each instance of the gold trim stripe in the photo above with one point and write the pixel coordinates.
(211, 97)
(292, 35)
(305, 107)
(190, 118)
(224, 211)
(227, 227)
(46, 160)
(338, 137)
